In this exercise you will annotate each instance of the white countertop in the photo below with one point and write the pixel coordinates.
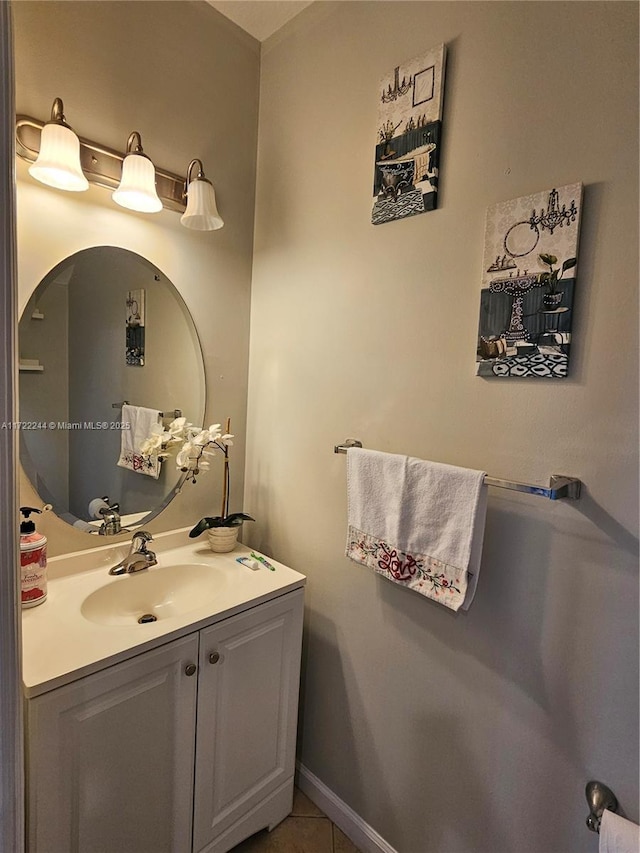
(60, 645)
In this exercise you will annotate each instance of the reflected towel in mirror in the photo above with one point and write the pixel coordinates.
(136, 427)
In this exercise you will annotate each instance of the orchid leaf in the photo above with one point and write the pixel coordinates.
(201, 526)
(235, 519)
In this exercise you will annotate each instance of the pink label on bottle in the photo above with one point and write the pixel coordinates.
(33, 571)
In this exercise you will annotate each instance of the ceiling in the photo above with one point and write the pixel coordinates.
(260, 18)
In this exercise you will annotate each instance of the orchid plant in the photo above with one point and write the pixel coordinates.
(198, 446)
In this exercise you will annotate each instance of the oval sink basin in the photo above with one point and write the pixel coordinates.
(157, 592)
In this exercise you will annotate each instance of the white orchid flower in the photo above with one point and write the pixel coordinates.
(149, 446)
(158, 434)
(195, 446)
(188, 455)
(214, 434)
(178, 427)
(158, 438)
(182, 457)
(201, 438)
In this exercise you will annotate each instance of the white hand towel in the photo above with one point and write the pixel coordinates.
(418, 523)
(618, 835)
(139, 421)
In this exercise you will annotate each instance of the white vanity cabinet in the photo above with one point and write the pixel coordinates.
(247, 717)
(110, 757)
(190, 746)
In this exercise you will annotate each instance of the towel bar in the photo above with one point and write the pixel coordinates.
(559, 487)
(599, 798)
(175, 413)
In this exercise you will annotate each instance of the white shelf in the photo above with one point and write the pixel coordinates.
(30, 365)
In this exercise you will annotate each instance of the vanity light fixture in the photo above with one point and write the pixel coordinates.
(201, 213)
(58, 162)
(137, 183)
(137, 188)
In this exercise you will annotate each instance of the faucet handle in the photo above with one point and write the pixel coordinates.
(115, 505)
(130, 563)
(144, 536)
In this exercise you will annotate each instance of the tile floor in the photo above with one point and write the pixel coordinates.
(306, 830)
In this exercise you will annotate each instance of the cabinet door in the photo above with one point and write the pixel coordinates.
(111, 758)
(247, 709)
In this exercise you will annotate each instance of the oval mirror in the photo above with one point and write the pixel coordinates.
(105, 327)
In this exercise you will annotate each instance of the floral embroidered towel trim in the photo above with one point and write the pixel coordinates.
(418, 523)
(136, 427)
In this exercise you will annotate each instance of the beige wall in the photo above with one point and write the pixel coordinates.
(189, 84)
(473, 733)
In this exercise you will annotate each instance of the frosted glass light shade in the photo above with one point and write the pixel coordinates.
(58, 163)
(137, 189)
(201, 213)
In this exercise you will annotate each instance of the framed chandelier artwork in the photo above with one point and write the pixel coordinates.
(528, 283)
(408, 138)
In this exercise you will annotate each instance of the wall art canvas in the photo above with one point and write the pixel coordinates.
(528, 283)
(408, 138)
(135, 328)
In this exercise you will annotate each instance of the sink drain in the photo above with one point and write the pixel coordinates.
(147, 617)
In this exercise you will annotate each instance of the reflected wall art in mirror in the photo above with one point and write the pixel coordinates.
(77, 369)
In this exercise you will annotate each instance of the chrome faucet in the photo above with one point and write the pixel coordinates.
(110, 518)
(138, 557)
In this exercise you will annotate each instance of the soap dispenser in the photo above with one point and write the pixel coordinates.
(33, 560)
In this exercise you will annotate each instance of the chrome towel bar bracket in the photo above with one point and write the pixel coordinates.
(560, 486)
(350, 442)
(175, 413)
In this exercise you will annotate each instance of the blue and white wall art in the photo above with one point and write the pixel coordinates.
(528, 282)
(408, 138)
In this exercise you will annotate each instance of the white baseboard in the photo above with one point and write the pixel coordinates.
(354, 827)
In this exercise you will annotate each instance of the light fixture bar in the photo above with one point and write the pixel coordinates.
(102, 166)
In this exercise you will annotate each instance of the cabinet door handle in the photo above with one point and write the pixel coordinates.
(214, 657)
(190, 669)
